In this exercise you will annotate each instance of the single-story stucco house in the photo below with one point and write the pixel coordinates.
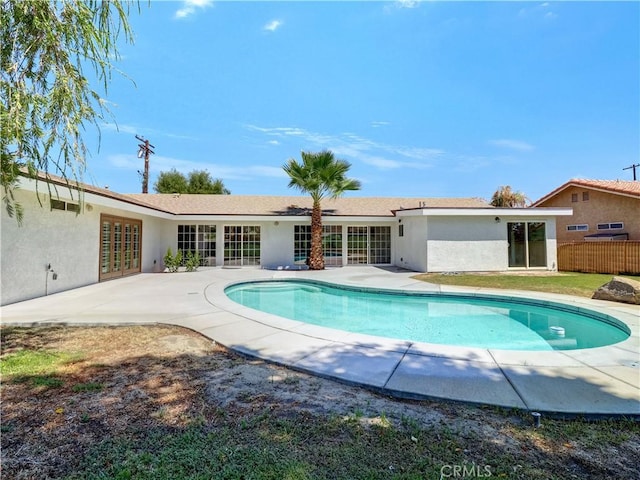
(71, 238)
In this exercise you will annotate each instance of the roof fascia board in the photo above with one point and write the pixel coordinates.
(125, 206)
(609, 191)
(71, 192)
(280, 218)
(487, 212)
(569, 184)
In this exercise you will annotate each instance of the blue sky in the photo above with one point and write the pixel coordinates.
(424, 99)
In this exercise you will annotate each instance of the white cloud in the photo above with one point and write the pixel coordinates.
(512, 145)
(379, 124)
(355, 147)
(157, 163)
(160, 163)
(273, 25)
(114, 127)
(189, 7)
(401, 4)
(469, 164)
(143, 131)
(407, 3)
(381, 162)
(535, 11)
(385, 157)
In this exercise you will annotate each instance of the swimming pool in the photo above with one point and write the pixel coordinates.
(482, 321)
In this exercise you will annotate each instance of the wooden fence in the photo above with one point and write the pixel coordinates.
(600, 257)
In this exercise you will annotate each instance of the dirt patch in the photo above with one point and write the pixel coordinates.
(124, 379)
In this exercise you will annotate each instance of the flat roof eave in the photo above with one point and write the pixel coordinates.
(485, 212)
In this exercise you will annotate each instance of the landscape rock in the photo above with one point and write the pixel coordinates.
(619, 289)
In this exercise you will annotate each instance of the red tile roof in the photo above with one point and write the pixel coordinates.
(621, 187)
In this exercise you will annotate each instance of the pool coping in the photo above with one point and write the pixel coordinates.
(597, 382)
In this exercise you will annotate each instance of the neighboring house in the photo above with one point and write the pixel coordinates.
(70, 243)
(602, 210)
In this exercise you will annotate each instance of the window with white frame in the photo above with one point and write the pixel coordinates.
(578, 228)
(611, 226)
(331, 244)
(301, 243)
(62, 205)
(199, 239)
(379, 245)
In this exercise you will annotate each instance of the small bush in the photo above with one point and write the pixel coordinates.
(173, 262)
(193, 261)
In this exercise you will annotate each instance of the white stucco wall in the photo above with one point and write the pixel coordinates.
(277, 243)
(411, 248)
(456, 242)
(432, 242)
(552, 244)
(466, 244)
(69, 242)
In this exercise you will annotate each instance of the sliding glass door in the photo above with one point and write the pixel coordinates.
(527, 244)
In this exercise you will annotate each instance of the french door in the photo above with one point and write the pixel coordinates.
(241, 245)
(120, 246)
(368, 245)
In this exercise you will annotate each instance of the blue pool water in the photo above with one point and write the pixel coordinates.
(472, 321)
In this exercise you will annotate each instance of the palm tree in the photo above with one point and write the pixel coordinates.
(505, 197)
(320, 175)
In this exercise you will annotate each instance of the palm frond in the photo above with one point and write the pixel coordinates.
(320, 175)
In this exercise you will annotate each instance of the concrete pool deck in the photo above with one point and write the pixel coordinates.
(602, 381)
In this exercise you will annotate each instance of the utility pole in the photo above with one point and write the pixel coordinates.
(634, 169)
(145, 151)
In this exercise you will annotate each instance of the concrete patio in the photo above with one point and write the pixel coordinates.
(601, 381)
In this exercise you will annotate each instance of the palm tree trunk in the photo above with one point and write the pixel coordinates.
(316, 257)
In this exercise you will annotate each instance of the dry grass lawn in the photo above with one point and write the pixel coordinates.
(165, 402)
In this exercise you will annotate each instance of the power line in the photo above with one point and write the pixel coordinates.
(145, 151)
(634, 169)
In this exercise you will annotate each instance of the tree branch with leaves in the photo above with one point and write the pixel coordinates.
(506, 197)
(46, 98)
(198, 181)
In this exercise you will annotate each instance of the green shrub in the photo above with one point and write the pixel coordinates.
(173, 262)
(193, 261)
